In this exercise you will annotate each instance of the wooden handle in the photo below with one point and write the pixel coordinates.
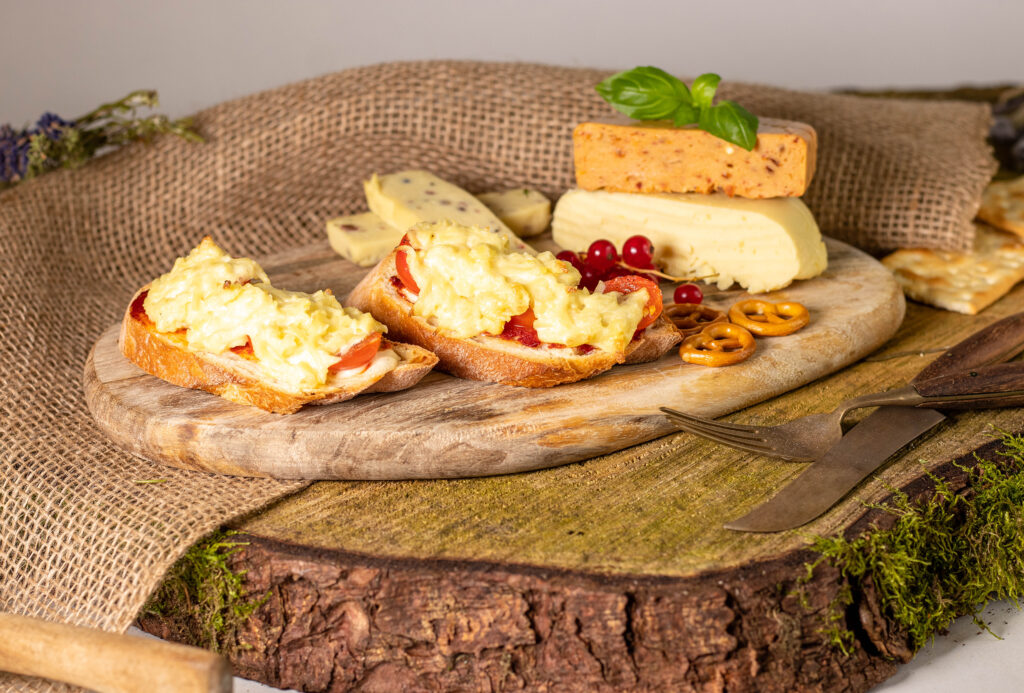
(999, 385)
(107, 662)
(1000, 341)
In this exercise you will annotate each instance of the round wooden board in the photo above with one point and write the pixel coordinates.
(450, 428)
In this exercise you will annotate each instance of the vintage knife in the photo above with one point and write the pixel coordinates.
(869, 444)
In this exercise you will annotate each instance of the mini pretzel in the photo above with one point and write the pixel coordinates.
(718, 344)
(769, 319)
(691, 318)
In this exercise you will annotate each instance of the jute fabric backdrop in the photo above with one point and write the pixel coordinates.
(82, 538)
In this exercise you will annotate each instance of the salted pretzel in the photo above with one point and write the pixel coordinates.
(691, 318)
(769, 319)
(718, 344)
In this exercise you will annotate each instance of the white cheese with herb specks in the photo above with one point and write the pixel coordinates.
(363, 238)
(407, 198)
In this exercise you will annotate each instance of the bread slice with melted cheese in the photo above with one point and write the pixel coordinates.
(240, 379)
(216, 323)
(495, 359)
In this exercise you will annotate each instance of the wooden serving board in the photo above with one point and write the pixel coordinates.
(449, 428)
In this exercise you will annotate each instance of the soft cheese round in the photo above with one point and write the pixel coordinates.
(761, 245)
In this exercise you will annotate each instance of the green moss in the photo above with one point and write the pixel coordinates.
(205, 597)
(944, 556)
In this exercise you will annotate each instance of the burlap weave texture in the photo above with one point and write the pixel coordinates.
(81, 540)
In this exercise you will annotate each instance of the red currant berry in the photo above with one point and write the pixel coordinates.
(688, 293)
(572, 258)
(614, 272)
(590, 278)
(602, 255)
(638, 251)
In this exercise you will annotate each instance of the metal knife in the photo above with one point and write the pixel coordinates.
(869, 444)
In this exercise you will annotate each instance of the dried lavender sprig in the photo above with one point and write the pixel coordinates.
(56, 143)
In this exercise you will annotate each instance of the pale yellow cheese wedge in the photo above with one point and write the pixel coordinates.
(407, 198)
(527, 212)
(761, 245)
(363, 238)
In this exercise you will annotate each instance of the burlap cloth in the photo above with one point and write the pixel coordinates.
(81, 540)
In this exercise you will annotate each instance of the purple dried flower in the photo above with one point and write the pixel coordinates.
(14, 147)
(54, 143)
(8, 152)
(52, 125)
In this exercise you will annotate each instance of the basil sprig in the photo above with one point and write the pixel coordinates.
(648, 93)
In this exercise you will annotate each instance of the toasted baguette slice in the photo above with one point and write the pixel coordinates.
(492, 358)
(656, 340)
(240, 379)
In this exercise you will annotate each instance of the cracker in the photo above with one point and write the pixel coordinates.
(961, 282)
(1002, 205)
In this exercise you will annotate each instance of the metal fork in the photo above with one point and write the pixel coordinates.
(810, 437)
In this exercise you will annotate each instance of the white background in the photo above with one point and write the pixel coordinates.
(68, 57)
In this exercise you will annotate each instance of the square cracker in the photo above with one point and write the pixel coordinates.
(961, 282)
(1002, 205)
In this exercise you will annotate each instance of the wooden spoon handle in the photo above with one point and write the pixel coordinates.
(107, 662)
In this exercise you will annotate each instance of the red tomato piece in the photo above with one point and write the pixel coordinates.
(359, 355)
(402, 265)
(245, 351)
(524, 319)
(520, 329)
(633, 282)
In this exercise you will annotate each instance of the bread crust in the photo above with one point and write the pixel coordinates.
(237, 379)
(494, 359)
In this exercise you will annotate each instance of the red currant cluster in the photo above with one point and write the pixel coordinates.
(602, 262)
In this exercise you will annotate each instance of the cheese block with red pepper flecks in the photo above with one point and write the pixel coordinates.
(656, 157)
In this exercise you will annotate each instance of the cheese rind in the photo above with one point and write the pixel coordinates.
(650, 157)
(762, 245)
(407, 198)
(362, 238)
(527, 212)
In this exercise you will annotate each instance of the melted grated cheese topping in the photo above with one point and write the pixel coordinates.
(223, 301)
(471, 283)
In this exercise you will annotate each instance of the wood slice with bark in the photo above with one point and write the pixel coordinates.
(611, 574)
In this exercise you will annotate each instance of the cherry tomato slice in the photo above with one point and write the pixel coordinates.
(402, 265)
(632, 282)
(245, 351)
(524, 319)
(520, 328)
(359, 355)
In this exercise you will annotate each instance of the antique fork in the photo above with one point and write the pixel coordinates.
(809, 437)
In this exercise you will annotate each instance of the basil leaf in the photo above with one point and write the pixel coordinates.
(731, 122)
(649, 93)
(703, 89)
(645, 93)
(685, 115)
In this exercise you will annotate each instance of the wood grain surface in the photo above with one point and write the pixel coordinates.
(450, 428)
